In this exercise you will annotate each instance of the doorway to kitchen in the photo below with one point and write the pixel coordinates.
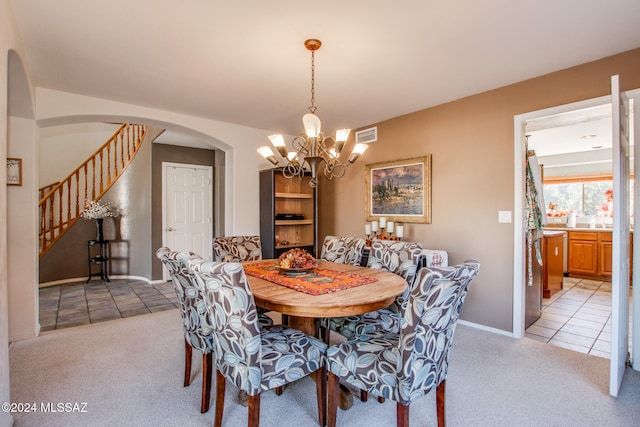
(520, 130)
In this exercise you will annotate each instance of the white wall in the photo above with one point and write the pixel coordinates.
(22, 238)
(67, 146)
(11, 51)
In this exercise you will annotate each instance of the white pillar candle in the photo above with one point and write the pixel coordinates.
(367, 229)
(390, 226)
(400, 231)
(383, 222)
(374, 226)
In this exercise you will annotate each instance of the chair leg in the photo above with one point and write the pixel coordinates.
(207, 361)
(285, 319)
(402, 415)
(321, 391)
(278, 390)
(333, 389)
(187, 363)
(440, 410)
(220, 386)
(364, 395)
(380, 399)
(326, 334)
(254, 411)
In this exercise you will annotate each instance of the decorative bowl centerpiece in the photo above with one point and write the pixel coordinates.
(296, 261)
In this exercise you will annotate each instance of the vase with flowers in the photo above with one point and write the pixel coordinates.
(98, 211)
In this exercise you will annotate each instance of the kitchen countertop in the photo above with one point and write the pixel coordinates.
(547, 228)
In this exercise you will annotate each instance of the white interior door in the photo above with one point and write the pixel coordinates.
(187, 208)
(620, 238)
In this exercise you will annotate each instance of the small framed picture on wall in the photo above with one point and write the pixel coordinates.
(14, 171)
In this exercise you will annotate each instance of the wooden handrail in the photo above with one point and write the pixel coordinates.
(62, 202)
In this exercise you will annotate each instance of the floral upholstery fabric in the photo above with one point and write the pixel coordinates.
(195, 319)
(237, 248)
(401, 258)
(252, 359)
(343, 250)
(407, 365)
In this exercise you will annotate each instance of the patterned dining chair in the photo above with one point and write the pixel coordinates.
(254, 360)
(195, 319)
(401, 258)
(343, 250)
(407, 365)
(237, 248)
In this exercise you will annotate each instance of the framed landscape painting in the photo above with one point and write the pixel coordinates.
(399, 190)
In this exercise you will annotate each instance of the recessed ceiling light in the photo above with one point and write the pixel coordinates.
(588, 136)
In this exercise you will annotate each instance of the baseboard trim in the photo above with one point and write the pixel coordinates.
(83, 279)
(486, 328)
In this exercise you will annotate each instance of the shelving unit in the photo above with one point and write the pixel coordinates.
(99, 257)
(281, 196)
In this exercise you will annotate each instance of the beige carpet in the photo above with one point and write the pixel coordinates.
(129, 373)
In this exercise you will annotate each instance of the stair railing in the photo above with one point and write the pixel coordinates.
(62, 205)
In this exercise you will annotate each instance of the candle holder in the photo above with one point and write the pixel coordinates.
(385, 235)
(383, 232)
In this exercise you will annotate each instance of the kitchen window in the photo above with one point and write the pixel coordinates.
(584, 196)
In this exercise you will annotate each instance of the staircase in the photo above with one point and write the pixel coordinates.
(61, 203)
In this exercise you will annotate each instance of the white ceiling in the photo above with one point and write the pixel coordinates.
(244, 62)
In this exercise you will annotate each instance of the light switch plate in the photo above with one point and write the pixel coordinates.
(504, 216)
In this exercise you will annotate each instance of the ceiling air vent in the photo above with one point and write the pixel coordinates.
(366, 136)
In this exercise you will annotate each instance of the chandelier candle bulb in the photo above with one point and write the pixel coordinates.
(400, 231)
(390, 226)
(266, 152)
(374, 226)
(383, 222)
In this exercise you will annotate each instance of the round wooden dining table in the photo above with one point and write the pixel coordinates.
(304, 309)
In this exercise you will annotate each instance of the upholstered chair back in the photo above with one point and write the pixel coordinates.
(252, 361)
(429, 324)
(195, 319)
(235, 321)
(343, 250)
(237, 248)
(401, 258)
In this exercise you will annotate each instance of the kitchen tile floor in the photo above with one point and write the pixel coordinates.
(578, 318)
(74, 304)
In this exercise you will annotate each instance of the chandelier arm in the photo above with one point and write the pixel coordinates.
(335, 169)
(292, 170)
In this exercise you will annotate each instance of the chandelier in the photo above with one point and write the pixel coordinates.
(311, 147)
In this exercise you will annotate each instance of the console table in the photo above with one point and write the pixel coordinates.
(98, 254)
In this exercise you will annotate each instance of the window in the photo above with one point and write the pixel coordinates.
(585, 197)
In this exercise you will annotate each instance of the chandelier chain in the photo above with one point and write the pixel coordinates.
(312, 108)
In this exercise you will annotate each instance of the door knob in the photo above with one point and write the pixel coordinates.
(171, 229)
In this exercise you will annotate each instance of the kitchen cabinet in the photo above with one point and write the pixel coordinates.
(288, 213)
(605, 254)
(552, 259)
(591, 254)
(583, 253)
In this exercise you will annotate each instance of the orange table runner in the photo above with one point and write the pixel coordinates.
(319, 281)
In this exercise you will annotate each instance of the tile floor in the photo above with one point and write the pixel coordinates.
(74, 304)
(578, 318)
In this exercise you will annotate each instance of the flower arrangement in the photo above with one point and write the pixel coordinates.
(97, 210)
(297, 258)
(606, 209)
(554, 211)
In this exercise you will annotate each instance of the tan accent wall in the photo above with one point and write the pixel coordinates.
(471, 141)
